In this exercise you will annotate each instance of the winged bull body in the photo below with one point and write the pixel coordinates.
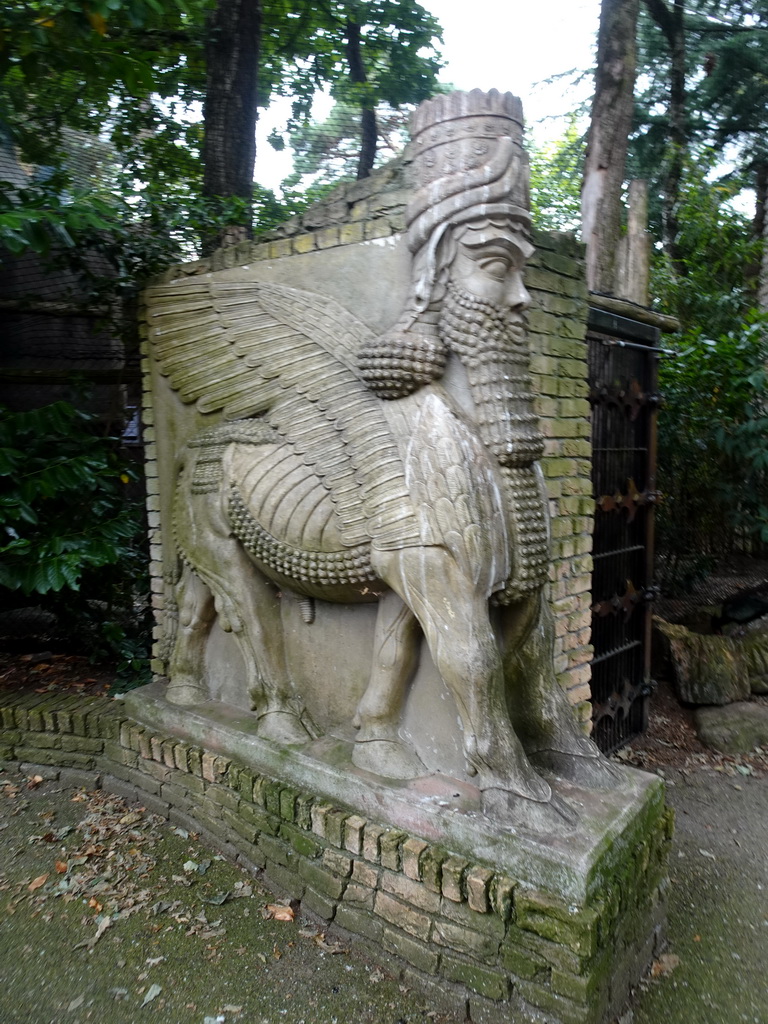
(311, 483)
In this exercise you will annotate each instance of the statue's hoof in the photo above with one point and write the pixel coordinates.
(389, 758)
(282, 727)
(553, 816)
(591, 770)
(186, 693)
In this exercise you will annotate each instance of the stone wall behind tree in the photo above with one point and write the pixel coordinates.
(372, 209)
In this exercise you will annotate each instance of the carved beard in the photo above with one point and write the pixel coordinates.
(490, 341)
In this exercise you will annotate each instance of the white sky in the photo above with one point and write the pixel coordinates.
(510, 45)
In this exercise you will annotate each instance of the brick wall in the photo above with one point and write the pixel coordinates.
(469, 935)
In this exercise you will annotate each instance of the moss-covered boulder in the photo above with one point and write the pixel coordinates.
(737, 729)
(753, 650)
(706, 669)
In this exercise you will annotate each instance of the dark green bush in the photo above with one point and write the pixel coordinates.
(713, 450)
(72, 538)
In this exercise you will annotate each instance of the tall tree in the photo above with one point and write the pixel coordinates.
(670, 20)
(230, 110)
(134, 70)
(607, 143)
(371, 53)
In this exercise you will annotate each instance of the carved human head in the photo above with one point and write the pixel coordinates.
(468, 225)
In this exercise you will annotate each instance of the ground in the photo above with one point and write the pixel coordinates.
(189, 939)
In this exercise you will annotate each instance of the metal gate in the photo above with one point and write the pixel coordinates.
(623, 357)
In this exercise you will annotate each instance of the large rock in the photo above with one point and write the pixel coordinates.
(753, 650)
(736, 729)
(706, 669)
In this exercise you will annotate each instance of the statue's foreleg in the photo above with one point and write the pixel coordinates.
(378, 747)
(455, 618)
(540, 710)
(196, 614)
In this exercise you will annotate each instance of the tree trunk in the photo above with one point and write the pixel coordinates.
(607, 143)
(671, 23)
(633, 263)
(230, 111)
(357, 75)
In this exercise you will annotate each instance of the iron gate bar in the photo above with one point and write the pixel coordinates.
(619, 551)
(623, 357)
(658, 352)
(617, 650)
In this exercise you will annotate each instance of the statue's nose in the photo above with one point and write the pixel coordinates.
(517, 295)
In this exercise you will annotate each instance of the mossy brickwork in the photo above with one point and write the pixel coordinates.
(372, 209)
(476, 939)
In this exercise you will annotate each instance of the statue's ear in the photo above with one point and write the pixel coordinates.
(402, 360)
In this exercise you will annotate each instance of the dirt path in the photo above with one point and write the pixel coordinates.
(190, 938)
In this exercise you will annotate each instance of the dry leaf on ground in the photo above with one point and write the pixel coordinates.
(666, 963)
(279, 912)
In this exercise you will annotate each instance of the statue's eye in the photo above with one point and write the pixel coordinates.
(496, 266)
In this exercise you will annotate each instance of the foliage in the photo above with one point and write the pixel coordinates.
(716, 250)
(556, 173)
(305, 49)
(132, 74)
(70, 536)
(713, 448)
(726, 91)
(327, 151)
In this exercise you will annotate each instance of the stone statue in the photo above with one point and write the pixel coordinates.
(399, 468)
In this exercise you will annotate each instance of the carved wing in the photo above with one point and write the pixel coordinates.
(247, 349)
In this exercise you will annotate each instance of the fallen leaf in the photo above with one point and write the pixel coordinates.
(279, 912)
(61, 867)
(666, 963)
(219, 898)
(37, 882)
(706, 853)
(103, 924)
(34, 782)
(130, 819)
(76, 1003)
(329, 947)
(152, 993)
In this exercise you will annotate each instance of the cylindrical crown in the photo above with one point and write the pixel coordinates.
(466, 152)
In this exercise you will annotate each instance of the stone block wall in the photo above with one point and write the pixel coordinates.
(375, 209)
(467, 934)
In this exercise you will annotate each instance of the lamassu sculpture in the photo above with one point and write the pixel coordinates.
(399, 468)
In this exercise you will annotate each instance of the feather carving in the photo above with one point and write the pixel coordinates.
(246, 350)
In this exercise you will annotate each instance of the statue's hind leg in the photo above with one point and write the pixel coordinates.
(196, 614)
(378, 747)
(248, 606)
(539, 707)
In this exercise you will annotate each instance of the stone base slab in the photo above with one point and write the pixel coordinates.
(483, 933)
